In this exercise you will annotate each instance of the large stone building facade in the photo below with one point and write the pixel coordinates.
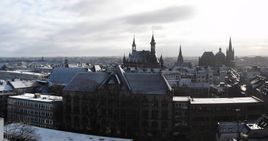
(133, 105)
(144, 58)
(219, 59)
(35, 109)
(197, 118)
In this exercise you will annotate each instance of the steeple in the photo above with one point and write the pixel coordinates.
(180, 57)
(230, 44)
(230, 55)
(133, 44)
(152, 44)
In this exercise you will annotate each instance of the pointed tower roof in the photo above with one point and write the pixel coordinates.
(230, 44)
(134, 43)
(180, 57)
(152, 40)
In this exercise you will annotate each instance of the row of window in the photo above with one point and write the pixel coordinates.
(181, 105)
(43, 106)
(31, 119)
(155, 125)
(155, 114)
(32, 112)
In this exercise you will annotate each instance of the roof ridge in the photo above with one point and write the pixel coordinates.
(166, 82)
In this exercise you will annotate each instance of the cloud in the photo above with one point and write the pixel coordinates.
(106, 27)
(166, 15)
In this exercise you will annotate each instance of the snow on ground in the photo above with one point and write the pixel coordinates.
(56, 135)
(44, 134)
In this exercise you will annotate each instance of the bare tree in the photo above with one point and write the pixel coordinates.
(20, 132)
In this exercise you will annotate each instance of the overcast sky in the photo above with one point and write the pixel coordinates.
(106, 27)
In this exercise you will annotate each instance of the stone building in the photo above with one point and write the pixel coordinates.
(35, 109)
(219, 59)
(207, 59)
(180, 61)
(206, 112)
(144, 58)
(136, 105)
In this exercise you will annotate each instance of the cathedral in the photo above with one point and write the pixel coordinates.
(180, 62)
(144, 58)
(209, 59)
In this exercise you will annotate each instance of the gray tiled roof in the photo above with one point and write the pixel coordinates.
(86, 81)
(62, 76)
(136, 83)
(147, 83)
(140, 56)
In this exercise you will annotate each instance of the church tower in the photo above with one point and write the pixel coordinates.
(133, 45)
(180, 57)
(152, 45)
(230, 55)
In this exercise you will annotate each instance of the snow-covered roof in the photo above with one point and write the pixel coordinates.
(233, 100)
(23, 72)
(44, 134)
(231, 127)
(38, 97)
(4, 86)
(181, 98)
(18, 84)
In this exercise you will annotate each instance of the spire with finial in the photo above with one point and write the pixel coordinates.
(230, 55)
(152, 40)
(133, 44)
(180, 57)
(152, 44)
(230, 44)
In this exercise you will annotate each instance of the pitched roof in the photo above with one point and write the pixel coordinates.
(136, 83)
(62, 76)
(4, 86)
(86, 81)
(140, 56)
(147, 83)
(18, 84)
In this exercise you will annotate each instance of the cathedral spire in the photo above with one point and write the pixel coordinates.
(152, 44)
(180, 57)
(133, 44)
(230, 44)
(152, 40)
(230, 55)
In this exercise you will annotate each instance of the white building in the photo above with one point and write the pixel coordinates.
(35, 109)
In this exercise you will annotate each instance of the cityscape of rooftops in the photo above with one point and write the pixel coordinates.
(124, 70)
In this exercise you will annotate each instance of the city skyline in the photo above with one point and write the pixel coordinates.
(106, 28)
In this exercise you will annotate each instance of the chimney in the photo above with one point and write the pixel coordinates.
(36, 95)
